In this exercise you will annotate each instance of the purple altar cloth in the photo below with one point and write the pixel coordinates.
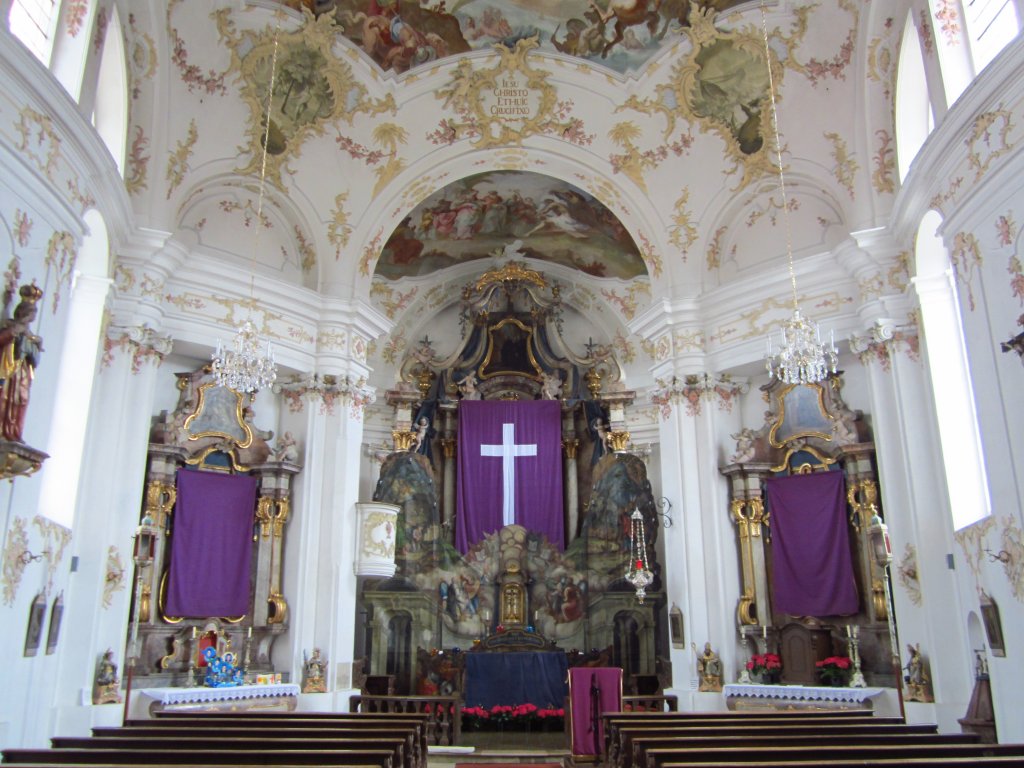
(592, 692)
(812, 572)
(211, 545)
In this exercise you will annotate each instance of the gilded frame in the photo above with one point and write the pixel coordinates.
(802, 422)
(225, 412)
(500, 363)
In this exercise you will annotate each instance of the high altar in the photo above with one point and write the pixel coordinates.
(542, 595)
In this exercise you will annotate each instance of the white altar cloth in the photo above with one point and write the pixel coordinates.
(800, 692)
(202, 695)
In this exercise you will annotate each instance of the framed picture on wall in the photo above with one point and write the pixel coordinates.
(993, 625)
(36, 618)
(56, 614)
(675, 623)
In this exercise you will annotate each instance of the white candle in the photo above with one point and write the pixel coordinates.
(764, 632)
(849, 632)
(249, 633)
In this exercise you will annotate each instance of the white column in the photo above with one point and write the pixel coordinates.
(107, 513)
(701, 569)
(916, 508)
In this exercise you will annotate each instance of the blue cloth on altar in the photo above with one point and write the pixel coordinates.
(516, 678)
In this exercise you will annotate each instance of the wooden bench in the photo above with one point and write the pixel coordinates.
(363, 734)
(815, 755)
(929, 762)
(618, 736)
(381, 758)
(210, 744)
(326, 721)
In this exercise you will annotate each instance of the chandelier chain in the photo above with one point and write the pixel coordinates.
(778, 153)
(802, 358)
(243, 368)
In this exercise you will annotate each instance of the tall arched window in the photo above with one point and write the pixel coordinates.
(33, 22)
(914, 116)
(110, 113)
(966, 480)
(991, 24)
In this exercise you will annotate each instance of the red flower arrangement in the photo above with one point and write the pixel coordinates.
(505, 713)
(760, 663)
(835, 670)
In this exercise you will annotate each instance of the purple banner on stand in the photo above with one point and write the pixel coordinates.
(211, 545)
(812, 572)
(510, 469)
(592, 692)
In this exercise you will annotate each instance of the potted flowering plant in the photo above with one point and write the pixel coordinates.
(835, 670)
(766, 666)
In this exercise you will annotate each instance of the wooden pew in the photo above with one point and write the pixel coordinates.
(381, 758)
(618, 736)
(369, 734)
(213, 742)
(641, 746)
(925, 762)
(816, 755)
(321, 720)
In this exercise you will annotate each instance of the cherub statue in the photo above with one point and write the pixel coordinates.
(601, 429)
(287, 449)
(551, 389)
(422, 428)
(315, 673)
(467, 386)
(745, 446)
(709, 667)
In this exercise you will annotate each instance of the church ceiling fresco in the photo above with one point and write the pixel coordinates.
(481, 214)
(400, 35)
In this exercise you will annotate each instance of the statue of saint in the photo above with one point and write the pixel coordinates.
(709, 668)
(107, 681)
(316, 674)
(19, 355)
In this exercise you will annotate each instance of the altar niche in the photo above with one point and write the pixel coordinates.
(211, 436)
(809, 432)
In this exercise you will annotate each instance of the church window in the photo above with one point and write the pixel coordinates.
(32, 22)
(954, 403)
(991, 25)
(110, 114)
(914, 116)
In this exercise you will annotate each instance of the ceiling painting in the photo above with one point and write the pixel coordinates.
(480, 215)
(400, 35)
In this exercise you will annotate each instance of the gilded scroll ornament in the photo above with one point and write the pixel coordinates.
(316, 88)
(702, 89)
(507, 103)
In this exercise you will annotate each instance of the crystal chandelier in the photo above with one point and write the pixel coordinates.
(638, 573)
(243, 369)
(802, 359)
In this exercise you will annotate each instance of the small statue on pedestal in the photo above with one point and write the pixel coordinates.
(918, 683)
(709, 668)
(107, 683)
(314, 674)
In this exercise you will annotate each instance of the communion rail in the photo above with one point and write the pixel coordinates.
(444, 727)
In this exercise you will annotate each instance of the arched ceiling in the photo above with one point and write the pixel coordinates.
(620, 34)
(478, 215)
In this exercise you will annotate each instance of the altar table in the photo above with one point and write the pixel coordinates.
(753, 696)
(280, 696)
(512, 677)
